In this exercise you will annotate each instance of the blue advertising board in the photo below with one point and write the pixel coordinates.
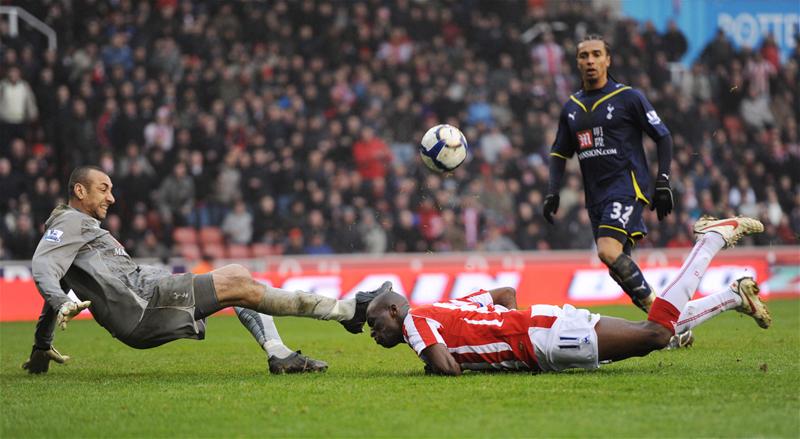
(745, 22)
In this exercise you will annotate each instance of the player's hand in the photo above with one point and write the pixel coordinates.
(662, 198)
(550, 207)
(39, 361)
(68, 311)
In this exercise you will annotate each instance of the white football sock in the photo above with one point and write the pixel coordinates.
(275, 348)
(700, 310)
(682, 288)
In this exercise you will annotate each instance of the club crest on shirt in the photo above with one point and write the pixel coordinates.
(53, 235)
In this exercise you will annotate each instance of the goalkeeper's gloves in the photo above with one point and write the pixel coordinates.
(39, 361)
(68, 311)
(662, 198)
(550, 207)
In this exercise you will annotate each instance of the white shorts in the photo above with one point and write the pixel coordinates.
(571, 341)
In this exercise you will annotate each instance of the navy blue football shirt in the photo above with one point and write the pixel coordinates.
(604, 127)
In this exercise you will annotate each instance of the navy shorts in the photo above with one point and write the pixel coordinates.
(619, 218)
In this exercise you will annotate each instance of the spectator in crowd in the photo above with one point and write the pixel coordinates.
(23, 238)
(151, 247)
(175, 196)
(373, 235)
(295, 244)
(371, 154)
(316, 107)
(755, 110)
(160, 133)
(673, 42)
(497, 241)
(548, 55)
(17, 107)
(238, 224)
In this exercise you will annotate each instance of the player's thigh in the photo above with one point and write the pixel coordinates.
(172, 312)
(618, 339)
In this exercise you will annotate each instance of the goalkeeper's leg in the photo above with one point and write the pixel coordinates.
(280, 358)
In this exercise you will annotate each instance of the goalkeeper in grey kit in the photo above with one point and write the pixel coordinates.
(603, 124)
(147, 306)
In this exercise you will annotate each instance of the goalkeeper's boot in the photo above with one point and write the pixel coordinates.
(296, 362)
(751, 305)
(363, 298)
(682, 340)
(731, 229)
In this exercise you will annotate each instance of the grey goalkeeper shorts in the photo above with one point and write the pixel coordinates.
(178, 309)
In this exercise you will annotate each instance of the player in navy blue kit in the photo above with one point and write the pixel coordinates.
(603, 124)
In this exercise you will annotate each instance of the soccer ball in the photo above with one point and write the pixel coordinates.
(443, 148)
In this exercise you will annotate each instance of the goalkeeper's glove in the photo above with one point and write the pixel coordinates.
(39, 361)
(662, 198)
(68, 311)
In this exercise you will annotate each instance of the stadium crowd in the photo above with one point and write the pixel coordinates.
(291, 126)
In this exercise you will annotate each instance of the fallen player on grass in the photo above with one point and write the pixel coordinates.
(484, 331)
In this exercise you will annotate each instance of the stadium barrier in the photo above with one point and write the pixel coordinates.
(575, 277)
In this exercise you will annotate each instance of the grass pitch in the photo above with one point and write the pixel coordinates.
(737, 381)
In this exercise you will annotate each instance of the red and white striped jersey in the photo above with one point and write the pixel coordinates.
(479, 334)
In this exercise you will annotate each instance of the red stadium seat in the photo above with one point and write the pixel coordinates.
(214, 250)
(184, 235)
(261, 250)
(211, 235)
(239, 251)
(189, 252)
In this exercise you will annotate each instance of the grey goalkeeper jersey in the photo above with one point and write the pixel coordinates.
(75, 253)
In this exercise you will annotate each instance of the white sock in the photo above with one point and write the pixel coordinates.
(682, 288)
(278, 302)
(700, 310)
(275, 348)
(262, 328)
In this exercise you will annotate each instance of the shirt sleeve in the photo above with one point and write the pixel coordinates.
(421, 332)
(647, 118)
(481, 297)
(43, 337)
(564, 145)
(54, 255)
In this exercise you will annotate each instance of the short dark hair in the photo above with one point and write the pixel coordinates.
(594, 37)
(80, 175)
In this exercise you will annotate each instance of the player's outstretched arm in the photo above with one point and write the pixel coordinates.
(39, 361)
(68, 311)
(440, 360)
(505, 296)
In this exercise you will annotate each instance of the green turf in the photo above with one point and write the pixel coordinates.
(738, 381)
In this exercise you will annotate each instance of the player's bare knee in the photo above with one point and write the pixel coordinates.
(236, 285)
(608, 256)
(237, 271)
(657, 335)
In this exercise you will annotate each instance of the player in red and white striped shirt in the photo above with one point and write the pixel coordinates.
(484, 331)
